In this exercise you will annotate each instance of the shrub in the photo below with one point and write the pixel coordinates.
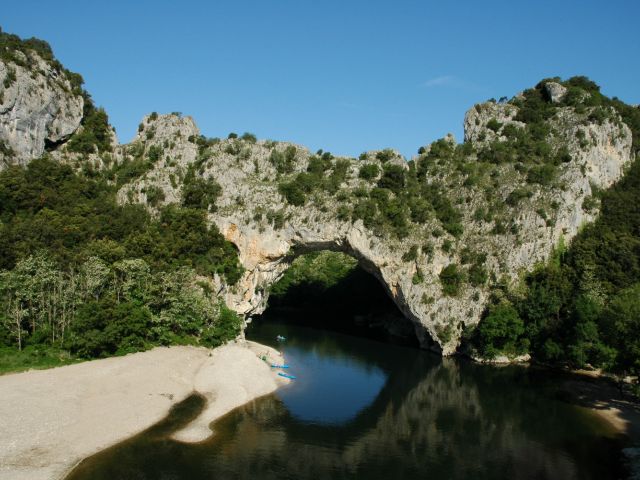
(369, 171)
(477, 275)
(451, 279)
(155, 195)
(276, 219)
(224, 329)
(411, 254)
(249, 137)
(95, 134)
(293, 193)
(283, 161)
(393, 178)
(385, 155)
(541, 174)
(494, 125)
(198, 192)
(518, 194)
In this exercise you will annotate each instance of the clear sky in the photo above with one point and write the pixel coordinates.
(345, 76)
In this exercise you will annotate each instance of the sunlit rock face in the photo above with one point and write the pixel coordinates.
(37, 109)
(269, 232)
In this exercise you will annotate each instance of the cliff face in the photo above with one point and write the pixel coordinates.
(269, 232)
(508, 214)
(38, 108)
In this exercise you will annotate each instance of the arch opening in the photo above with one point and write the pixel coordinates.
(333, 290)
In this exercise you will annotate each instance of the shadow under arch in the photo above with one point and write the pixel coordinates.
(361, 296)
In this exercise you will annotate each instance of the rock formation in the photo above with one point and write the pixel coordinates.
(269, 232)
(38, 108)
(507, 215)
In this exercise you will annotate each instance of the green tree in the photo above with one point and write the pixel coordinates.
(500, 331)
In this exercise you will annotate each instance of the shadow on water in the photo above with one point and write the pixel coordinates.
(431, 417)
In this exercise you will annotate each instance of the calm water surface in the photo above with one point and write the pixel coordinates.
(365, 409)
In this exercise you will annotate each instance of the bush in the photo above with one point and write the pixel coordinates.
(94, 134)
(494, 125)
(249, 137)
(198, 192)
(155, 195)
(283, 161)
(385, 155)
(226, 328)
(102, 328)
(393, 178)
(293, 193)
(451, 279)
(411, 254)
(369, 171)
(541, 174)
(518, 194)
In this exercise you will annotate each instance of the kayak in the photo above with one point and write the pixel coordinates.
(280, 338)
(275, 365)
(286, 375)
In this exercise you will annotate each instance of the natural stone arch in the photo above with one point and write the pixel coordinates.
(250, 297)
(254, 215)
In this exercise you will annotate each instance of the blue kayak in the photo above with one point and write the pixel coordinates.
(286, 375)
(275, 365)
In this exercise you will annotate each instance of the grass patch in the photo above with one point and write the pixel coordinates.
(33, 358)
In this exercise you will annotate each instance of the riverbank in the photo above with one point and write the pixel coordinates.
(52, 419)
(603, 397)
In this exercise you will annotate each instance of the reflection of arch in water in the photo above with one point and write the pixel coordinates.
(441, 419)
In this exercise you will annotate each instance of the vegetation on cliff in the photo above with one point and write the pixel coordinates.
(582, 307)
(88, 275)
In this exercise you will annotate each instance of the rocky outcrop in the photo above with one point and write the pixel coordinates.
(269, 232)
(38, 109)
(555, 91)
(174, 135)
(484, 122)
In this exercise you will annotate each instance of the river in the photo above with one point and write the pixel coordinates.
(361, 408)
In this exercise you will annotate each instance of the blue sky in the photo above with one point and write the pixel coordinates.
(345, 76)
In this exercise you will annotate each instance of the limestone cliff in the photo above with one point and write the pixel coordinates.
(38, 107)
(269, 231)
(438, 231)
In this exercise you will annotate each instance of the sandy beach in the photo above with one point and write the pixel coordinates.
(52, 419)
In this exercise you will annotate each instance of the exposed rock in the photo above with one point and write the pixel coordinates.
(479, 120)
(176, 136)
(555, 91)
(250, 204)
(37, 109)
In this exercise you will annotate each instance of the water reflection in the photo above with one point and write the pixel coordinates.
(422, 417)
